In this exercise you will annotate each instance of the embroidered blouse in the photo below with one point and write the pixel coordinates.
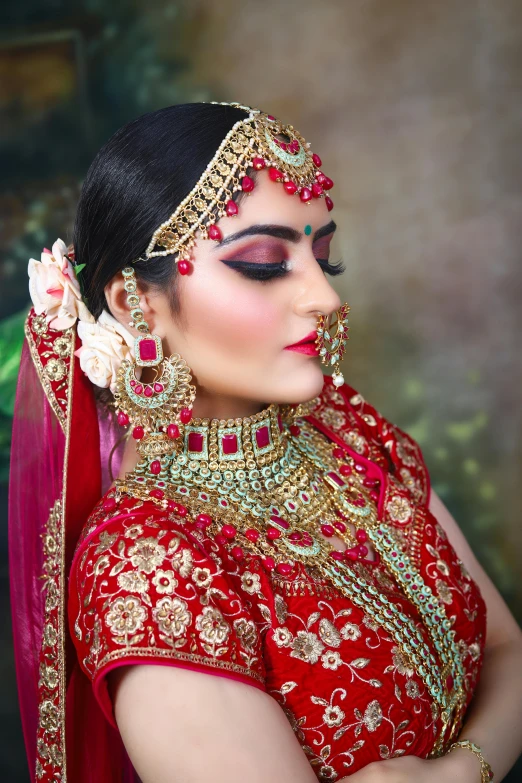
(358, 675)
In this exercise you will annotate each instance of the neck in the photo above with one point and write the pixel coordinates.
(209, 405)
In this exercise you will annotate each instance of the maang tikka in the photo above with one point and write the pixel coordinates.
(159, 408)
(332, 334)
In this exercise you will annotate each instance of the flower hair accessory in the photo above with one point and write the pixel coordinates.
(55, 293)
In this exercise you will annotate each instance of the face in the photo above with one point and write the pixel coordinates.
(251, 296)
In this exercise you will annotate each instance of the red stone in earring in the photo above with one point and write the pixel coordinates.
(317, 160)
(290, 188)
(329, 203)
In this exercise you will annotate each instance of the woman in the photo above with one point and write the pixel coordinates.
(258, 582)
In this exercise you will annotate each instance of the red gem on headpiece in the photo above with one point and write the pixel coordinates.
(283, 145)
(258, 163)
(317, 190)
(155, 467)
(123, 419)
(185, 415)
(231, 208)
(138, 433)
(269, 116)
(320, 177)
(158, 388)
(183, 267)
(294, 146)
(327, 183)
(148, 391)
(305, 194)
(247, 184)
(214, 232)
(138, 388)
(317, 160)
(274, 174)
(329, 203)
(290, 187)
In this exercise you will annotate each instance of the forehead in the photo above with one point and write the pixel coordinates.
(270, 203)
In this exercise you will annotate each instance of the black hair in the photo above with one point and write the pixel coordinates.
(134, 184)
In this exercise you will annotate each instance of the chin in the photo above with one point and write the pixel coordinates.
(299, 387)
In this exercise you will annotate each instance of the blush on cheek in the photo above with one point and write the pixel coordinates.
(247, 318)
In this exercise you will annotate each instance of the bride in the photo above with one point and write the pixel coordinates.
(226, 566)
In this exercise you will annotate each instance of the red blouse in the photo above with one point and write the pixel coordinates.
(144, 587)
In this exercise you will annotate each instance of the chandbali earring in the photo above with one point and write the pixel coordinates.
(159, 408)
(332, 334)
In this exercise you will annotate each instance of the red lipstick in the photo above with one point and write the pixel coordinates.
(306, 345)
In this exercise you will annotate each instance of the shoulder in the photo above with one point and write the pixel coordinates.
(144, 588)
(347, 414)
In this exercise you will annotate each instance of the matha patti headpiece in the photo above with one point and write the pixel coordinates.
(259, 141)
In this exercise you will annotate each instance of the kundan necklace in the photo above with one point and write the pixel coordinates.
(261, 481)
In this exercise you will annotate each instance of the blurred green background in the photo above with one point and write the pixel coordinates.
(415, 110)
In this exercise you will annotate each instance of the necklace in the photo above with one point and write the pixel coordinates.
(268, 487)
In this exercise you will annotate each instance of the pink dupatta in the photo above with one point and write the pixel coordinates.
(58, 448)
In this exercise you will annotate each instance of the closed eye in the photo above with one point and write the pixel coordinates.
(266, 272)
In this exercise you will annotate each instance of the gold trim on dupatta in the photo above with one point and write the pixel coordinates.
(56, 374)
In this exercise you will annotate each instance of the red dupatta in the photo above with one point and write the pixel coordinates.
(55, 481)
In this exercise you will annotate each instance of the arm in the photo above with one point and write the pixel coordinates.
(180, 725)
(494, 719)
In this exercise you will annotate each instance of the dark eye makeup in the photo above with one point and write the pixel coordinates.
(266, 272)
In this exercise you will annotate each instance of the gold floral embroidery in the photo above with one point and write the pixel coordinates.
(164, 581)
(212, 626)
(146, 555)
(173, 618)
(443, 591)
(399, 509)
(250, 582)
(357, 441)
(307, 647)
(125, 618)
(133, 582)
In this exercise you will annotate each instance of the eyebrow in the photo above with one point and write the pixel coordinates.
(279, 232)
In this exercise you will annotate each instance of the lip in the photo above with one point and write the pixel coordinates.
(306, 346)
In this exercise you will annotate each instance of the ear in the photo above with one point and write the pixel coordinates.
(116, 297)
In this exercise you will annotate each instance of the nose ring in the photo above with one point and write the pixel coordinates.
(332, 334)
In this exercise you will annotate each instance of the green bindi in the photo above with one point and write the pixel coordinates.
(308, 230)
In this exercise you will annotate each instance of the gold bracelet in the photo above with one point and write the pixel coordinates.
(485, 770)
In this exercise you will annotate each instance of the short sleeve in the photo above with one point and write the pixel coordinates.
(142, 590)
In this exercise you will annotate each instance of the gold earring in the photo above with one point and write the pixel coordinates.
(159, 408)
(331, 346)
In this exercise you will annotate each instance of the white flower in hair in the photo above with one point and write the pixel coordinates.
(55, 290)
(105, 344)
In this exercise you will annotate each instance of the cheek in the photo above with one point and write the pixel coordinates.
(236, 315)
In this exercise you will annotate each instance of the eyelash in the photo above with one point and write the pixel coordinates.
(266, 272)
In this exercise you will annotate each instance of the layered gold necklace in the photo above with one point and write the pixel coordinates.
(269, 487)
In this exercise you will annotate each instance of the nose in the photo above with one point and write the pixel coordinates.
(316, 296)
